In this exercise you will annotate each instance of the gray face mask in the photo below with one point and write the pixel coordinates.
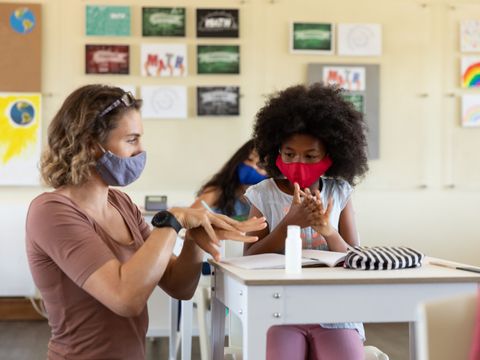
(118, 171)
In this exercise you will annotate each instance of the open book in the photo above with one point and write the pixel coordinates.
(277, 261)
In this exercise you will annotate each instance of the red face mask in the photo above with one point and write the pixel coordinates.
(302, 173)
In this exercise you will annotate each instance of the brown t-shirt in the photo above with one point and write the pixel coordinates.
(64, 247)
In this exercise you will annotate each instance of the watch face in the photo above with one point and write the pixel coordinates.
(160, 218)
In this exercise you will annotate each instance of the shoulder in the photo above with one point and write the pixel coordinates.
(48, 203)
(338, 186)
(261, 186)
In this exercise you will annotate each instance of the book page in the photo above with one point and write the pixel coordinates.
(329, 258)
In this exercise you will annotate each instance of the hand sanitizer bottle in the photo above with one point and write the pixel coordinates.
(293, 250)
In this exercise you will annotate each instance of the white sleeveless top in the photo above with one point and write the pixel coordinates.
(274, 204)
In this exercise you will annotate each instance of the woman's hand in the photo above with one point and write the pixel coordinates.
(318, 215)
(201, 218)
(204, 241)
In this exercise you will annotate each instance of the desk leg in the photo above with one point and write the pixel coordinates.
(186, 329)
(172, 340)
(218, 328)
(411, 331)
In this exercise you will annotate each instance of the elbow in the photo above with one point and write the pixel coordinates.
(128, 308)
(184, 294)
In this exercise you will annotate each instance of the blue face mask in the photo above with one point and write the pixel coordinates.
(118, 171)
(247, 175)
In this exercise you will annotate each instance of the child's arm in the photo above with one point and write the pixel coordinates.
(274, 242)
(347, 231)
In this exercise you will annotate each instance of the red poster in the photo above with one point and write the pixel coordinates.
(107, 59)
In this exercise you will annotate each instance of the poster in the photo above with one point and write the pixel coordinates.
(164, 60)
(21, 44)
(470, 72)
(357, 100)
(359, 39)
(311, 38)
(218, 23)
(163, 21)
(350, 78)
(471, 110)
(218, 100)
(107, 59)
(164, 102)
(107, 20)
(470, 35)
(218, 59)
(20, 136)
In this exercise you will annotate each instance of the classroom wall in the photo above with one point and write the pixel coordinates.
(424, 189)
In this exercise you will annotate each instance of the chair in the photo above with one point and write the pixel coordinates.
(445, 328)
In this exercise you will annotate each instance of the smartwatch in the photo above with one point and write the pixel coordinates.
(166, 219)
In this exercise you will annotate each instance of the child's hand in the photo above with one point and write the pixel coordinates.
(298, 213)
(319, 216)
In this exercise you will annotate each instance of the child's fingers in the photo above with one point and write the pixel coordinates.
(296, 194)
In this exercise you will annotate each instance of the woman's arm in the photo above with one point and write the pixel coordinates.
(209, 195)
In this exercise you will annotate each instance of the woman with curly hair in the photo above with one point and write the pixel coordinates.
(92, 256)
(312, 143)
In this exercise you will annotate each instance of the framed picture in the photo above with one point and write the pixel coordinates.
(218, 100)
(107, 59)
(470, 35)
(20, 138)
(307, 37)
(217, 23)
(359, 39)
(470, 72)
(351, 78)
(471, 110)
(164, 102)
(357, 100)
(218, 59)
(107, 20)
(163, 21)
(164, 60)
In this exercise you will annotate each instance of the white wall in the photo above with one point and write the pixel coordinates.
(406, 197)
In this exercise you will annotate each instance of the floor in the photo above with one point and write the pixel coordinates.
(27, 340)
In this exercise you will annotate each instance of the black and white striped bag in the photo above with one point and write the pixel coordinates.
(382, 258)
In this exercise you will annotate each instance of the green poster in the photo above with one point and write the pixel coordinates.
(357, 100)
(218, 59)
(108, 20)
(312, 37)
(163, 21)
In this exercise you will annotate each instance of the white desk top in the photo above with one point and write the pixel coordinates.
(427, 273)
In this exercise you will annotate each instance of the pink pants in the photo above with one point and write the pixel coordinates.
(313, 342)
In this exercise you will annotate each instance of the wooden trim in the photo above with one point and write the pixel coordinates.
(18, 309)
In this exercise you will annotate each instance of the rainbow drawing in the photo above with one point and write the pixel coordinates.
(471, 110)
(470, 72)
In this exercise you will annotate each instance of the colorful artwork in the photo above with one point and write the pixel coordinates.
(20, 126)
(470, 72)
(108, 20)
(470, 36)
(164, 60)
(350, 78)
(311, 38)
(471, 110)
(107, 59)
(219, 23)
(164, 102)
(22, 20)
(359, 39)
(218, 100)
(218, 59)
(21, 44)
(163, 21)
(357, 100)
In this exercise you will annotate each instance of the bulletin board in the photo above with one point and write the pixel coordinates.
(369, 92)
(21, 44)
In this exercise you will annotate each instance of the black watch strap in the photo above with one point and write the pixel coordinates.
(166, 219)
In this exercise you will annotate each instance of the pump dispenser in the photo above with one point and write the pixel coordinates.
(293, 250)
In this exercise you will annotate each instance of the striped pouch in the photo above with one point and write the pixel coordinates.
(382, 258)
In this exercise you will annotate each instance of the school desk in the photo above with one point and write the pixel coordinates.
(262, 298)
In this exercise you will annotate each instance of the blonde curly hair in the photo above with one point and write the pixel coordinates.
(75, 132)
